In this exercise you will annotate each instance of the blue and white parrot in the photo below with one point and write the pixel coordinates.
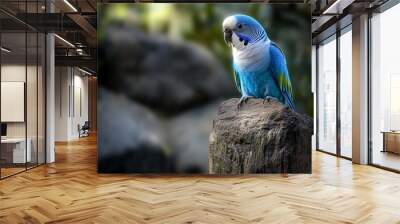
(259, 65)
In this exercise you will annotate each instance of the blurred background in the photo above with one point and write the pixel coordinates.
(165, 68)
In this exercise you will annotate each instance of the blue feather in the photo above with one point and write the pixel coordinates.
(267, 74)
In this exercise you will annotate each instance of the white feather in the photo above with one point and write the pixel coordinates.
(252, 56)
(229, 22)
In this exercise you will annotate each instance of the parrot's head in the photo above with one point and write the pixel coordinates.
(242, 31)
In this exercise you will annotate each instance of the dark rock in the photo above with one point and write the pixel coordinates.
(130, 137)
(143, 159)
(166, 76)
(260, 137)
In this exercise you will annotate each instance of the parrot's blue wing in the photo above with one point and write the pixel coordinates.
(236, 78)
(280, 74)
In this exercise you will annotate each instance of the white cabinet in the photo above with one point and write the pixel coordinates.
(18, 146)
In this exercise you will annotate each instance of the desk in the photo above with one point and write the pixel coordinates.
(391, 141)
(18, 149)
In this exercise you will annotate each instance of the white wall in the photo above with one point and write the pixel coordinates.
(12, 73)
(80, 109)
(71, 93)
(62, 81)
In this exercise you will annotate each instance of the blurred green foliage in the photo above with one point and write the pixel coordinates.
(288, 25)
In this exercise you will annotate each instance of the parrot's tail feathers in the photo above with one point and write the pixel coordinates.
(289, 100)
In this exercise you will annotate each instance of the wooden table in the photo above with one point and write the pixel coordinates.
(391, 141)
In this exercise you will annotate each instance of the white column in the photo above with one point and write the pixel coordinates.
(360, 90)
(50, 93)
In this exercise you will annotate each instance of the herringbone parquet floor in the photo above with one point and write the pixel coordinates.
(70, 191)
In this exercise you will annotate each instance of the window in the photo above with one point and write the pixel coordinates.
(385, 88)
(346, 92)
(327, 95)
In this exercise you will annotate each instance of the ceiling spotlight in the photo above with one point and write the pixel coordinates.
(79, 51)
(5, 50)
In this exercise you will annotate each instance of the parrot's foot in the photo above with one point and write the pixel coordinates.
(269, 98)
(242, 100)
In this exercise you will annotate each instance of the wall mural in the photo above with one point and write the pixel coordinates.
(204, 88)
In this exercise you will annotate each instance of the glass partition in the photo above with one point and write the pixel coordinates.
(41, 91)
(327, 95)
(31, 99)
(22, 101)
(14, 153)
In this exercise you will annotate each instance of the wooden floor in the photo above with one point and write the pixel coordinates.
(5, 172)
(70, 191)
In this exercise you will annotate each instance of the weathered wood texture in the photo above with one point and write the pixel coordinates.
(260, 137)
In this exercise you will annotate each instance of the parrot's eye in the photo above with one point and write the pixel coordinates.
(240, 26)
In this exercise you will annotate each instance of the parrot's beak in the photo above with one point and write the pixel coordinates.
(228, 36)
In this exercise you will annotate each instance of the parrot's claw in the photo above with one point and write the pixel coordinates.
(242, 100)
(269, 98)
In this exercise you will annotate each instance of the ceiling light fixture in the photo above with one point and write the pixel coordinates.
(65, 41)
(5, 50)
(328, 10)
(84, 71)
(70, 5)
(337, 7)
(80, 51)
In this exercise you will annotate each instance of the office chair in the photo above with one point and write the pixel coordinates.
(84, 130)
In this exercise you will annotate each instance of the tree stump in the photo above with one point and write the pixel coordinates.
(259, 137)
